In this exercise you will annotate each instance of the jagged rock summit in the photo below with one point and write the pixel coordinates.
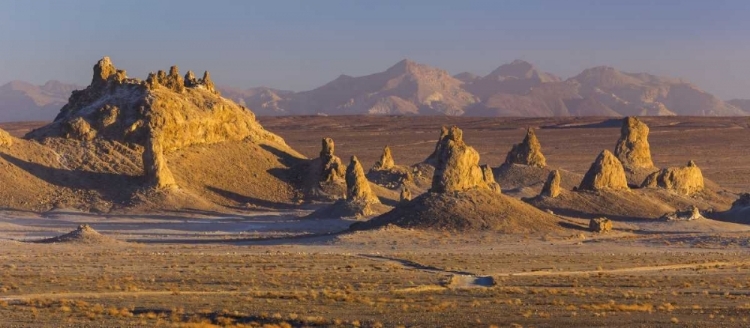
(180, 112)
(632, 148)
(605, 173)
(686, 180)
(528, 152)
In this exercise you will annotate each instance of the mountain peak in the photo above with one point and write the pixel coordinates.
(520, 69)
(403, 66)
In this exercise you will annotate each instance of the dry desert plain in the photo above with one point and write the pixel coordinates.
(270, 267)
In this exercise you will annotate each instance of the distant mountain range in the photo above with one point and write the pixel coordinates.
(409, 88)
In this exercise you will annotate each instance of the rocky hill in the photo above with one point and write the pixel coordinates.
(263, 101)
(126, 144)
(22, 101)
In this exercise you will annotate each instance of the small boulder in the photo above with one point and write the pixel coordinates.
(605, 173)
(80, 129)
(551, 187)
(528, 152)
(686, 180)
(632, 148)
(690, 214)
(600, 225)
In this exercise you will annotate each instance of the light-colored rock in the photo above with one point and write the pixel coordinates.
(632, 148)
(332, 168)
(158, 175)
(386, 160)
(489, 178)
(457, 166)
(194, 116)
(600, 225)
(357, 187)
(688, 215)
(528, 152)
(686, 180)
(80, 129)
(551, 187)
(405, 195)
(605, 173)
(6, 140)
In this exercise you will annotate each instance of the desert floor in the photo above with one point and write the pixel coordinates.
(274, 268)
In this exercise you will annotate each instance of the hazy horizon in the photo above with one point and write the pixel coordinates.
(298, 45)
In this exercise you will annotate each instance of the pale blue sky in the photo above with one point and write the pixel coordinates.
(299, 45)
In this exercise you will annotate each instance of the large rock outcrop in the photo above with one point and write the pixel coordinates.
(457, 166)
(528, 152)
(551, 187)
(605, 173)
(686, 180)
(157, 174)
(180, 112)
(632, 148)
(331, 166)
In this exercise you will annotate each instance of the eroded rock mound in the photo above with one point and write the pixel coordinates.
(386, 160)
(605, 173)
(600, 225)
(180, 112)
(457, 166)
(84, 234)
(686, 180)
(6, 140)
(693, 213)
(551, 187)
(632, 148)
(528, 152)
(331, 168)
(158, 176)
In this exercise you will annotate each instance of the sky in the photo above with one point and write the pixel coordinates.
(300, 45)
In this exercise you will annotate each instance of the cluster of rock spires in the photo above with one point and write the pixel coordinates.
(118, 108)
(457, 166)
(528, 152)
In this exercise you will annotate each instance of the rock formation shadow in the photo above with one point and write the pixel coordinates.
(111, 186)
(242, 199)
